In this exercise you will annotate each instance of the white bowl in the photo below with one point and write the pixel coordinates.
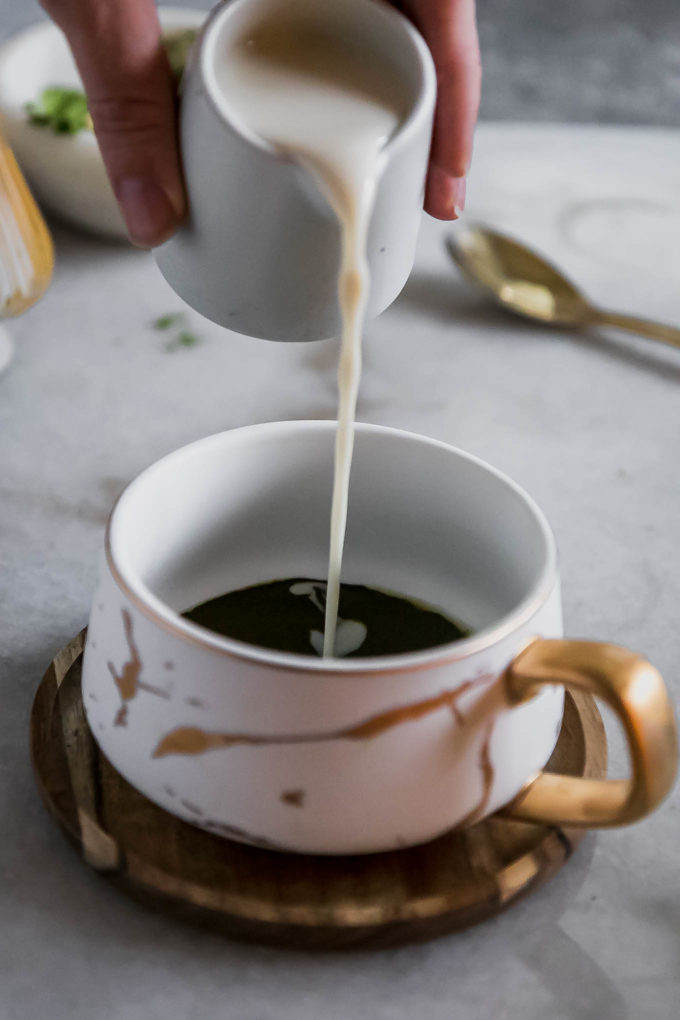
(66, 172)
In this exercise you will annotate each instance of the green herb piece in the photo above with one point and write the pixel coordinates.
(183, 339)
(64, 110)
(167, 321)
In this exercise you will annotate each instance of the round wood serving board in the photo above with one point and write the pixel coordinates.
(372, 900)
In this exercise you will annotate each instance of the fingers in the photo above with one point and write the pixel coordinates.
(131, 97)
(450, 30)
(444, 193)
(116, 44)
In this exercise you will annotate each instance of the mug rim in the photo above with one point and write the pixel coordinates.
(420, 108)
(159, 613)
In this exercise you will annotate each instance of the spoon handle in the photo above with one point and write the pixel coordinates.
(645, 327)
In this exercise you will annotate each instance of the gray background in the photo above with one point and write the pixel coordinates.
(575, 60)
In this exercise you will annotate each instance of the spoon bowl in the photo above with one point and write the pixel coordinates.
(515, 276)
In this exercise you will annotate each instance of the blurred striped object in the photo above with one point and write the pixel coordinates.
(26, 252)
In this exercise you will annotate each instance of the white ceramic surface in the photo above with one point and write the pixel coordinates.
(66, 172)
(164, 696)
(260, 250)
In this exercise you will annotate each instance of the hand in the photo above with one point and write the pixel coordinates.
(131, 97)
(450, 30)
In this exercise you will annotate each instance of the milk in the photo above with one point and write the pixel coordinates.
(300, 88)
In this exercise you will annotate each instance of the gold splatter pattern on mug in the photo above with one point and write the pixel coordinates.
(488, 773)
(128, 679)
(192, 740)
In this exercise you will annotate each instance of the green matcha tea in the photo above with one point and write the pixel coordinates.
(288, 616)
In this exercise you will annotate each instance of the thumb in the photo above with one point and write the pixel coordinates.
(131, 97)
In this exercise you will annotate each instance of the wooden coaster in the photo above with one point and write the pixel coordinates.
(372, 900)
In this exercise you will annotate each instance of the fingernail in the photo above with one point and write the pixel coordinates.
(458, 185)
(445, 194)
(149, 215)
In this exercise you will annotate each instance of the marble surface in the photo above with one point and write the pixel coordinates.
(590, 426)
(585, 60)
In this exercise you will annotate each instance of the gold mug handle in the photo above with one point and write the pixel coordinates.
(636, 692)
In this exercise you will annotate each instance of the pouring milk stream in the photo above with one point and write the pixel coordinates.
(300, 90)
(290, 79)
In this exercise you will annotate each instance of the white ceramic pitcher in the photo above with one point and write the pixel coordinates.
(260, 250)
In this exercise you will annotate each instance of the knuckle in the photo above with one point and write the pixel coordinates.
(133, 116)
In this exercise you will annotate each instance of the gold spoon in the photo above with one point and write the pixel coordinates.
(524, 283)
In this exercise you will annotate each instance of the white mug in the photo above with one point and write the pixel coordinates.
(358, 755)
(260, 250)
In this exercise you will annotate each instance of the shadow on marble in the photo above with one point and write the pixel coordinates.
(662, 914)
(653, 358)
(445, 298)
(449, 300)
(54, 506)
(70, 240)
(579, 987)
